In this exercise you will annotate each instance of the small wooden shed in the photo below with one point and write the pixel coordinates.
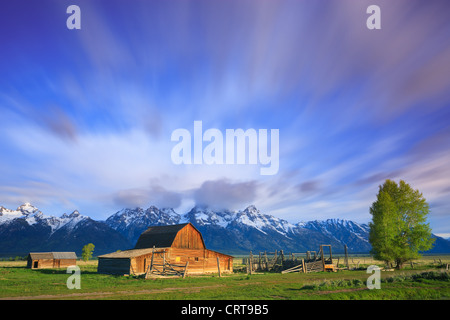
(173, 245)
(42, 260)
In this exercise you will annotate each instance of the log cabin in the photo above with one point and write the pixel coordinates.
(43, 260)
(174, 245)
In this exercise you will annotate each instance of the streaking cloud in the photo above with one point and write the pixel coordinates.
(87, 115)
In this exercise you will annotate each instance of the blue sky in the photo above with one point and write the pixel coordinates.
(87, 114)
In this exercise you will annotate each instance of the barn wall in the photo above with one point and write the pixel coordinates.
(225, 261)
(188, 237)
(43, 263)
(201, 260)
(195, 257)
(51, 263)
(113, 266)
(64, 263)
(141, 263)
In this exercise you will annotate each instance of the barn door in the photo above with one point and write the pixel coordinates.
(140, 265)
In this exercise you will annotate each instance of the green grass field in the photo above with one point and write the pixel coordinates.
(427, 281)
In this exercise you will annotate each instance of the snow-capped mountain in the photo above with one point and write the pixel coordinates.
(250, 217)
(245, 230)
(132, 222)
(253, 218)
(354, 235)
(26, 211)
(202, 216)
(32, 215)
(28, 229)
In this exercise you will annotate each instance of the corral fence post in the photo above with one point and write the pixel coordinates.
(185, 268)
(321, 257)
(266, 261)
(218, 266)
(260, 261)
(346, 257)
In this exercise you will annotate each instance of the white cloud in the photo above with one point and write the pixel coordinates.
(126, 168)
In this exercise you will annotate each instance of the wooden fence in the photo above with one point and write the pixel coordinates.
(278, 261)
(160, 266)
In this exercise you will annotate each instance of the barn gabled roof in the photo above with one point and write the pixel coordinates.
(52, 255)
(161, 236)
(129, 253)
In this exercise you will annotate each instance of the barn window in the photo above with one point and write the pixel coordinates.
(196, 258)
(35, 264)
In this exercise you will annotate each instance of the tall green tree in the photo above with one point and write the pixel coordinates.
(87, 251)
(399, 231)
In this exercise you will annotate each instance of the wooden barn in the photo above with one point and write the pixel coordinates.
(42, 260)
(169, 249)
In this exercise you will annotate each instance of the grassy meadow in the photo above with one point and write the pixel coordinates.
(428, 280)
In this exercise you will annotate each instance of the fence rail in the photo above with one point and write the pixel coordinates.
(278, 261)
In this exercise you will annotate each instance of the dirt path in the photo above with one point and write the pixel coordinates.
(95, 295)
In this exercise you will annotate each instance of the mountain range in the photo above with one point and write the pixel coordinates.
(27, 229)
